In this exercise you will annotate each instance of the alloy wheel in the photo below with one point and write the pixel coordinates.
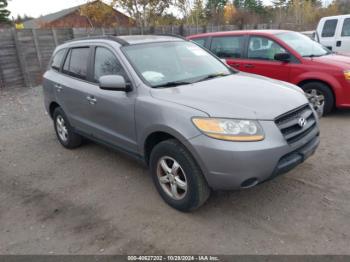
(61, 128)
(172, 178)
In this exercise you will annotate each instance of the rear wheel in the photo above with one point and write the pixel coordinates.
(177, 177)
(320, 96)
(65, 134)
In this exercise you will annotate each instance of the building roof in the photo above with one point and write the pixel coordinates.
(35, 23)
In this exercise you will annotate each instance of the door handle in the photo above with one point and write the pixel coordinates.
(338, 43)
(249, 66)
(91, 99)
(58, 87)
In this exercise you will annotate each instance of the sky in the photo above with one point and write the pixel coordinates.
(36, 8)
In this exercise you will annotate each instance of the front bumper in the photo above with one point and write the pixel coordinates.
(233, 165)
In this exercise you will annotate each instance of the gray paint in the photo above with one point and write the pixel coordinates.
(126, 119)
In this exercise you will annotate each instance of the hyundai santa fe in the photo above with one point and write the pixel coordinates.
(287, 56)
(198, 124)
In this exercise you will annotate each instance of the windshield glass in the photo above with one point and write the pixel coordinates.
(303, 45)
(172, 63)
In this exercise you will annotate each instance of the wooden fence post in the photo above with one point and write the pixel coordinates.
(54, 34)
(37, 49)
(20, 59)
(2, 79)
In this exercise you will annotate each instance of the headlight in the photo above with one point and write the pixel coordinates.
(347, 74)
(230, 129)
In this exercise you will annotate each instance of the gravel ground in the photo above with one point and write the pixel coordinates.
(96, 201)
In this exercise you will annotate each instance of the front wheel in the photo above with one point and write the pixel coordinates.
(320, 97)
(177, 177)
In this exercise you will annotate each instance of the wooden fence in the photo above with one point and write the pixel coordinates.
(24, 54)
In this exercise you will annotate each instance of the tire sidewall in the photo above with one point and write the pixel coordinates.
(189, 167)
(59, 112)
(327, 93)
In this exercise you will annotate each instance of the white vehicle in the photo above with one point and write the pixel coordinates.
(334, 33)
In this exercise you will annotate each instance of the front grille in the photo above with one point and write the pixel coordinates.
(289, 123)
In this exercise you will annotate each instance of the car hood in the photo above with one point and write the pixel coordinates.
(240, 95)
(342, 61)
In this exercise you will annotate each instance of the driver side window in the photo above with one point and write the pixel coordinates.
(262, 48)
(106, 63)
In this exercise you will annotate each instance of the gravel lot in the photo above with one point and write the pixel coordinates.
(96, 201)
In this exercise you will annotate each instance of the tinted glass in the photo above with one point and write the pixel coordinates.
(76, 63)
(57, 60)
(329, 28)
(106, 63)
(180, 61)
(262, 48)
(200, 41)
(227, 47)
(346, 28)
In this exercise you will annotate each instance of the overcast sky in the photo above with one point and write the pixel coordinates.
(36, 8)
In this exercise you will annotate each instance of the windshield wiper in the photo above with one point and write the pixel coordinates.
(311, 56)
(211, 76)
(173, 84)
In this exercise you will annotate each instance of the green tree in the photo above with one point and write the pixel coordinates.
(145, 12)
(4, 13)
(214, 10)
(197, 15)
(343, 6)
(238, 3)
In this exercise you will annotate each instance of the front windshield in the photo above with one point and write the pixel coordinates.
(172, 63)
(303, 44)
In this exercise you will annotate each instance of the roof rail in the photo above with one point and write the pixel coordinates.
(106, 37)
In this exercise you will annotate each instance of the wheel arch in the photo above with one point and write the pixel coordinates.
(52, 107)
(161, 133)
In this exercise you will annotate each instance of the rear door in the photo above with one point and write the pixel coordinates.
(230, 49)
(74, 87)
(343, 40)
(327, 33)
(260, 60)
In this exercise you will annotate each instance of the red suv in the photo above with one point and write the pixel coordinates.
(287, 56)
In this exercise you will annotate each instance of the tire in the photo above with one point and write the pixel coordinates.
(71, 139)
(197, 190)
(321, 89)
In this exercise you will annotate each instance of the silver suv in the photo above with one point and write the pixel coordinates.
(197, 124)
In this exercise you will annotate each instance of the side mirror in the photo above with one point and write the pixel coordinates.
(114, 83)
(283, 57)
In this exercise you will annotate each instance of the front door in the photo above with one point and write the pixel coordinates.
(327, 34)
(343, 41)
(111, 112)
(260, 59)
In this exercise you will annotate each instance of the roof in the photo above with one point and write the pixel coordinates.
(239, 32)
(140, 39)
(34, 23)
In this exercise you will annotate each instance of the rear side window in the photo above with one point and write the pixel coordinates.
(57, 60)
(200, 41)
(329, 28)
(76, 63)
(346, 27)
(228, 46)
(106, 63)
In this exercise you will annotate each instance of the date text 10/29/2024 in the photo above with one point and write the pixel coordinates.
(173, 258)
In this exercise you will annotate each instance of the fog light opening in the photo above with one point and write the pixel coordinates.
(250, 182)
